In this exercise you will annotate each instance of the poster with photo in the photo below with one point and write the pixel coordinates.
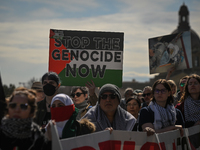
(168, 51)
(81, 56)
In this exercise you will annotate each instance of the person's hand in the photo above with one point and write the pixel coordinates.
(169, 72)
(91, 87)
(48, 130)
(180, 128)
(149, 131)
(110, 129)
(197, 123)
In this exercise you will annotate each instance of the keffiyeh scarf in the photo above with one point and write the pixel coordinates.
(192, 109)
(120, 122)
(163, 117)
(16, 128)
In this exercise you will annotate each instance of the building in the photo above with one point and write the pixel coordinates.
(183, 25)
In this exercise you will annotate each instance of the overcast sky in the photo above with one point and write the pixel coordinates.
(25, 25)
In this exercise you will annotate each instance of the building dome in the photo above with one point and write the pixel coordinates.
(183, 10)
(195, 41)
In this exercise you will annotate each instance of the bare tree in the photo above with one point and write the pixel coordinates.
(30, 82)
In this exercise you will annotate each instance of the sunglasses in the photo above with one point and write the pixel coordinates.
(162, 91)
(105, 96)
(14, 105)
(182, 84)
(78, 94)
(148, 94)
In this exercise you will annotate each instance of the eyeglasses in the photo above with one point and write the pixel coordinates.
(162, 91)
(14, 105)
(148, 94)
(195, 83)
(105, 96)
(78, 94)
(129, 105)
(182, 84)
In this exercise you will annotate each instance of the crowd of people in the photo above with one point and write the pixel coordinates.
(25, 120)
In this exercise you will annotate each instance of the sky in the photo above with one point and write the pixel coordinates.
(25, 25)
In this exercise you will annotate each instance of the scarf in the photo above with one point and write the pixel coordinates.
(81, 107)
(122, 120)
(163, 117)
(70, 127)
(192, 109)
(16, 128)
(60, 119)
(62, 115)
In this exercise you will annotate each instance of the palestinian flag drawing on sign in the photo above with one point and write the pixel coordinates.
(81, 56)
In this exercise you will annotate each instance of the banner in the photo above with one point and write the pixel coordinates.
(127, 140)
(168, 51)
(81, 56)
(193, 135)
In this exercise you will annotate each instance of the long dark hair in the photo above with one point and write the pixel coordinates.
(185, 91)
(164, 82)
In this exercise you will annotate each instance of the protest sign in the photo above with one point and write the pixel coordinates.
(169, 140)
(193, 135)
(126, 140)
(81, 56)
(168, 51)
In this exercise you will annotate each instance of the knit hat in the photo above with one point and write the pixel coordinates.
(110, 88)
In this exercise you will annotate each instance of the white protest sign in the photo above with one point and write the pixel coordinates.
(126, 140)
(168, 140)
(193, 137)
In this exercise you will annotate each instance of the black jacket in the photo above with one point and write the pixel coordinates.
(41, 112)
(37, 141)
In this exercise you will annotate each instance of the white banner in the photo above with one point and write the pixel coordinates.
(126, 140)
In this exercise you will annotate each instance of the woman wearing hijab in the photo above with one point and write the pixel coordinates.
(64, 112)
(190, 101)
(161, 116)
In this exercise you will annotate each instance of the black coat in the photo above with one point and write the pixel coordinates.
(41, 112)
(37, 141)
